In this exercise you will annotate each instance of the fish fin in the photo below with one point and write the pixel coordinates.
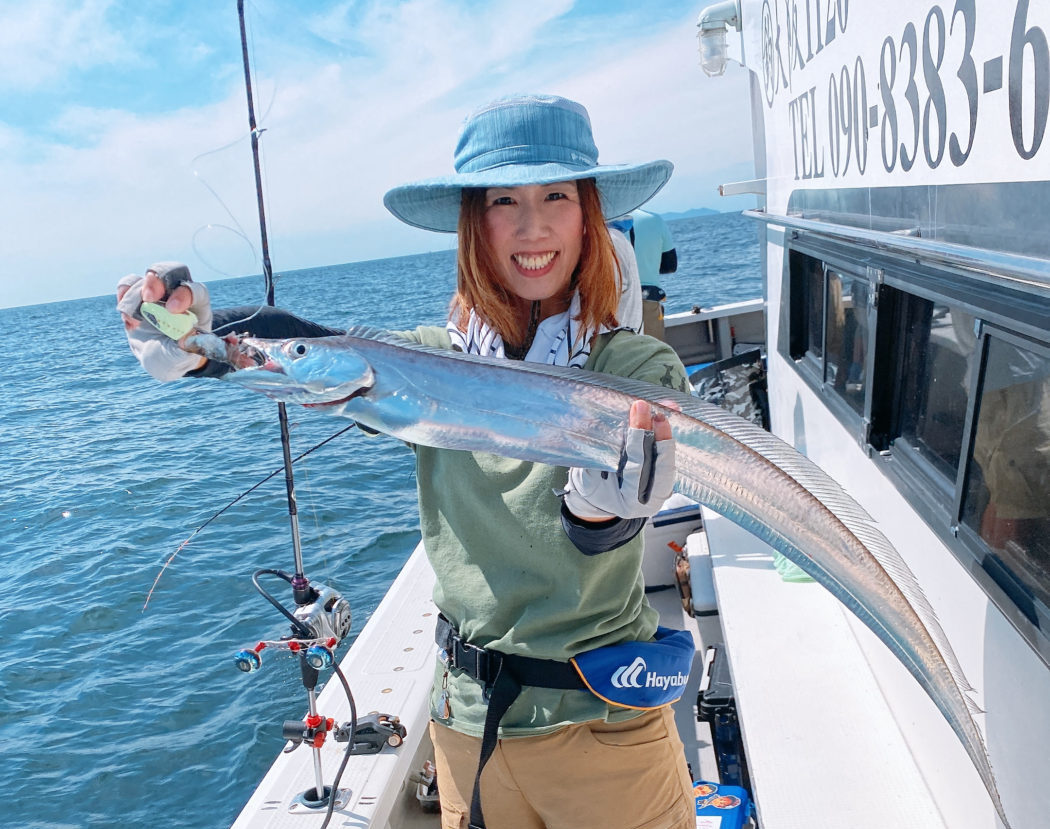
(833, 496)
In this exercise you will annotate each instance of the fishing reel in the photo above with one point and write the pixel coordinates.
(317, 653)
(327, 616)
(320, 623)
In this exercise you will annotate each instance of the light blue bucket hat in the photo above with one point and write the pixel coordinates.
(525, 139)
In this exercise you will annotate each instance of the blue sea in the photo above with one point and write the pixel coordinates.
(112, 715)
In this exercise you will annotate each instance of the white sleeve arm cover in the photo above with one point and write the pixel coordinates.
(637, 489)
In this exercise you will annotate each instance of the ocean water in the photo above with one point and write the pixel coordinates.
(111, 715)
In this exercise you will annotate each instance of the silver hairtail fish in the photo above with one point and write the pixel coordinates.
(570, 417)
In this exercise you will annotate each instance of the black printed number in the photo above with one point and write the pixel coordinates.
(968, 75)
(1021, 40)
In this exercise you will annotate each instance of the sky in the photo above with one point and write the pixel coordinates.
(124, 135)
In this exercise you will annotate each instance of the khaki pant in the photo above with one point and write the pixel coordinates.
(630, 775)
(653, 318)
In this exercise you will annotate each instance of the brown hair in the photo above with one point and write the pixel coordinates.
(597, 276)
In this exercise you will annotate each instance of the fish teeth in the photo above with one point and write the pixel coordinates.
(534, 261)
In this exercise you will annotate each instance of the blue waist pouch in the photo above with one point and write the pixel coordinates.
(639, 675)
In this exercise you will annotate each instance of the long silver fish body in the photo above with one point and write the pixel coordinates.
(571, 417)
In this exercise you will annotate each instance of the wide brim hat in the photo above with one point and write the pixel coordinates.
(525, 139)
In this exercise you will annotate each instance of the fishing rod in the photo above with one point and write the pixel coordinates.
(282, 411)
(322, 616)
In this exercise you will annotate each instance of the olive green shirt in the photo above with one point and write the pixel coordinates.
(508, 577)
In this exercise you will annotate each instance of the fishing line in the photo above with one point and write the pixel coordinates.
(304, 630)
(236, 229)
(349, 745)
(313, 512)
(248, 491)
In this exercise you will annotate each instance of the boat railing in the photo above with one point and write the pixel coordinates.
(704, 335)
(991, 266)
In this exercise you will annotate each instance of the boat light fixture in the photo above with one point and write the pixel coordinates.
(713, 26)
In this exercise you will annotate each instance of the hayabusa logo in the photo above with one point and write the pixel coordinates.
(630, 676)
(627, 676)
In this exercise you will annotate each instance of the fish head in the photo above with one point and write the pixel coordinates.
(310, 371)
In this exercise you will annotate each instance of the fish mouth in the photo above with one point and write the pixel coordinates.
(276, 383)
(338, 402)
(278, 370)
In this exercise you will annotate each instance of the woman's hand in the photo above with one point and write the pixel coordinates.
(171, 283)
(153, 289)
(646, 477)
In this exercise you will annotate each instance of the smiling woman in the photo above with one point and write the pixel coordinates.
(539, 280)
(543, 241)
(515, 544)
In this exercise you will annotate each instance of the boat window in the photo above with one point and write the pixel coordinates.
(829, 329)
(807, 316)
(937, 343)
(1007, 499)
(948, 385)
(813, 273)
(847, 337)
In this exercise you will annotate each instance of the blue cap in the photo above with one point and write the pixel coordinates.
(525, 139)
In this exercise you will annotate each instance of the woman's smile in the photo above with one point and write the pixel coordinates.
(534, 264)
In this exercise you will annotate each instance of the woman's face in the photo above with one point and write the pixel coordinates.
(536, 234)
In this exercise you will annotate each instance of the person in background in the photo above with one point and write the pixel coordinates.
(655, 251)
(535, 565)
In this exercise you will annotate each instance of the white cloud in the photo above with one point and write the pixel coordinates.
(339, 134)
(347, 134)
(41, 41)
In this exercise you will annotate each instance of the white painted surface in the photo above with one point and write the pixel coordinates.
(823, 747)
(390, 670)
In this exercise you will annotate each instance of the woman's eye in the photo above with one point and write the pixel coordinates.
(556, 196)
(502, 200)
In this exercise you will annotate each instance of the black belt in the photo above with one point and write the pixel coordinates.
(503, 675)
(653, 293)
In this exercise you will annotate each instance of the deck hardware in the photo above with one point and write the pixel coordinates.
(307, 801)
(371, 733)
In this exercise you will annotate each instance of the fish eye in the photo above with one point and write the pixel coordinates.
(298, 349)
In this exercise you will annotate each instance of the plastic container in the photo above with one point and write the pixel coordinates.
(676, 520)
(719, 806)
(701, 576)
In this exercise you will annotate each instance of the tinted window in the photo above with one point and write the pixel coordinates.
(1008, 493)
(935, 375)
(814, 287)
(806, 330)
(829, 330)
(847, 337)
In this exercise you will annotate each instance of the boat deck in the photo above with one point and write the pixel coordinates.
(823, 745)
(389, 669)
(816, 725)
